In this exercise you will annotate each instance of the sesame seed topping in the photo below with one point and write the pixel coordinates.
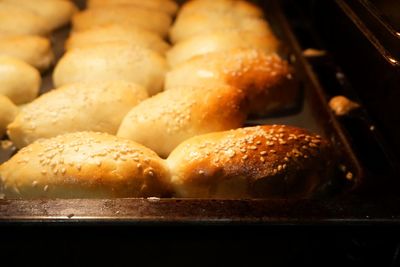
(245, 157)
(262, 159)
(263, 152)
(253, 147)
(45, 188)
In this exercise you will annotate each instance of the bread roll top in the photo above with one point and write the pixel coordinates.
(90, 106)
(116, 33)
(266, 79)
(18, 81)
(151, 20)
(167, 6)
(84, 165)
(262, 162)
(165, 120)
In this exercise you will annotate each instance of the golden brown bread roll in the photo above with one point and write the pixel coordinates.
(84, 165)
(220, 41)
(165, 120)
(8, 111)
(19, 81)
(56, 13)
(167, 6)
(260, 162)
(117, 33)
(95, 106)
(150, 20)
(34, 50)
(15, 20)
(265, 78)
(112, 61)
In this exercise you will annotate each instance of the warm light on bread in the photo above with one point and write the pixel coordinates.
(84, 165)
(94, 106)
(19, 81)
(254, 162)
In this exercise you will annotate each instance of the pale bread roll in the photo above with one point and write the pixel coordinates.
(150, 20)
(19, 81)
(167, 6)
(56, 13)
(34, 50)
(165, 120)
(8, 111)
(218, 7)
(266, 78)
(254, 162)
(95, 106)
(15, 20)
(199, 24)
(84, 165)
(117, 33)
(112, 61)
(220, 41)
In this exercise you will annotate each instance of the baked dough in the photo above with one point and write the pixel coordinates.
(266, 78)
(150, 20)
(254, 162)
(237, 7)
(56, 13)
(167, 6)
(34, 50)
(8, 111)
(95, 106)
(112, 61)
(165, 120)
(19, 81)
(115, 33)
(220, 41)
(15, 20)
(199, 17)
(84, 165)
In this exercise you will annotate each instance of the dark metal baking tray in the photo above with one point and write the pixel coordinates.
(339, 202)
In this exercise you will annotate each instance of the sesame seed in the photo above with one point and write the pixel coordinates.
(272, 151)
(253, 147)
(45, 188)
(245, 157)
(201, 172)
(34, 183)
(262, 159)
(263, 152)
(279, 167)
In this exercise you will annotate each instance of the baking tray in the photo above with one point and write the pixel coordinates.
(337, 203)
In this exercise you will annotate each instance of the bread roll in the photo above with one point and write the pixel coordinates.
(117, 33)
(8, 111)
(218, 7)
(15, 20)
(201, 17)
(254, 162)
(266, 78)
(112, 61)
(56, 13)
(167, 6)
(220, 41)
(95, 106)
(165, 120)
(150, 20)
(34, 50)
(84, 165)
(19, 81)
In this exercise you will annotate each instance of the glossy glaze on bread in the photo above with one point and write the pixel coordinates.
(261, 162)
(265, 78)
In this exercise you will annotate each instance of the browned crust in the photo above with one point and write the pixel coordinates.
(273, 161)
